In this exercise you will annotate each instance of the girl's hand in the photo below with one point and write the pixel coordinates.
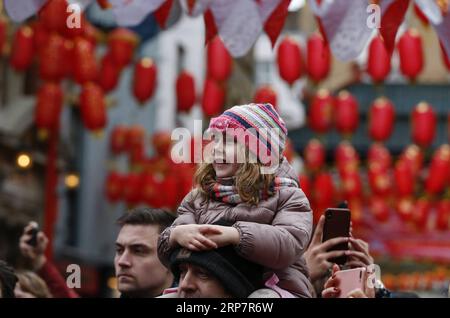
(194, 236)
(228, 235)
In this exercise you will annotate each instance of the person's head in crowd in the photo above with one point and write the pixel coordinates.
(30, 285)
(139, 272)
(8, 280)
(219, 273)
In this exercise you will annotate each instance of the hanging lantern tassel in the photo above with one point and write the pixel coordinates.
(93, 107)
(144, 83)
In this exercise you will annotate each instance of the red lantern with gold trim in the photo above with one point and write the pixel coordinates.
(109, 74)
(265, 94)
(381, 119)
(118, 141)
(289, 60)
(162, 143)
(346, 113)
(85, 64)
(54, 15)
(114, 186)
(149, 191)
(346, 157)
(48, 108)
(93, 107)
(314, 155)
(405, 208)
(219, 61)
(379, 61)
(320, 116)
(144, 83)
(51, 55)
(443, 215)
(185, 88)
(133, 188)
(318, 59)
(22, 49)
(351, 184)
(135, 137)
(122, 43)
(379, 208)
(423, 123)
(421, 213)
(439, 172)
(324, 191)
(411, 54)
(404, 178)
(380, 156)
(213, 98)
(379, 181)
(414, 157)
(68, 51)
(171, 191)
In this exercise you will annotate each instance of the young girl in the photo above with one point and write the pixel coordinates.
(272, 219)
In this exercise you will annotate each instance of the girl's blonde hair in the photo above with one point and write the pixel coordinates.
(33, 284)
(249, 180)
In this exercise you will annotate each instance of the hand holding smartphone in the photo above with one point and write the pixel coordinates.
(337, 224)
(350, 280)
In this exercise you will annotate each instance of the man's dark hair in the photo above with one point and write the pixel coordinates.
(147, 216)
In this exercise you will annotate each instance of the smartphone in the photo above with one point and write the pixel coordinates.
(33, 240)
(351, 279)
(337, 224)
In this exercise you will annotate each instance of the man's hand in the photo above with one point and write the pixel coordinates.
(317, 256)
(194, 236)
(34, 253)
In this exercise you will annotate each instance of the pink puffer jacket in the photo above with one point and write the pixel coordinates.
(275, 233)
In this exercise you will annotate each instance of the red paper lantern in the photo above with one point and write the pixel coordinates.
(289, 59)
(219, 65)
(404, 178)
(93, 107)
(424, 123)
(3, 33)
(356, 207)
(443, 215)
(54, 15)
(314, 155)
(379, 61)
(439, 172)
(144, 83)
(85, 64)
(213, 98)
(381, 119)
(379, 208)
(324, 190)
(68, 52)
(137, 155)
(171, 191)
(411, 54)
(91, 34)
(122, 43)
(109, 74)
(114, 186)
(346, 113)
(379, 181)
(346, 157)
(421, 213)
(321, 112)
(133, 188)
(405, 208)
(135, 137)
(414, 157)
(150, 190)
(162, 143)
(22, 49)
(305, 185)
(318, 59)
(265, 94)
(185, 88)
(49, 105)
(380, 156)
(118, 139)
(50, 66)
(351, 184)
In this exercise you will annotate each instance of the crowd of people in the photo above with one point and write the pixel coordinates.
(238, 233)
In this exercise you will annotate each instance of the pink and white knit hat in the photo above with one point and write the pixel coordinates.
(260, 121)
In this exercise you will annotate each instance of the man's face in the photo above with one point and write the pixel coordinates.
(138, 270)
(196, 282)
